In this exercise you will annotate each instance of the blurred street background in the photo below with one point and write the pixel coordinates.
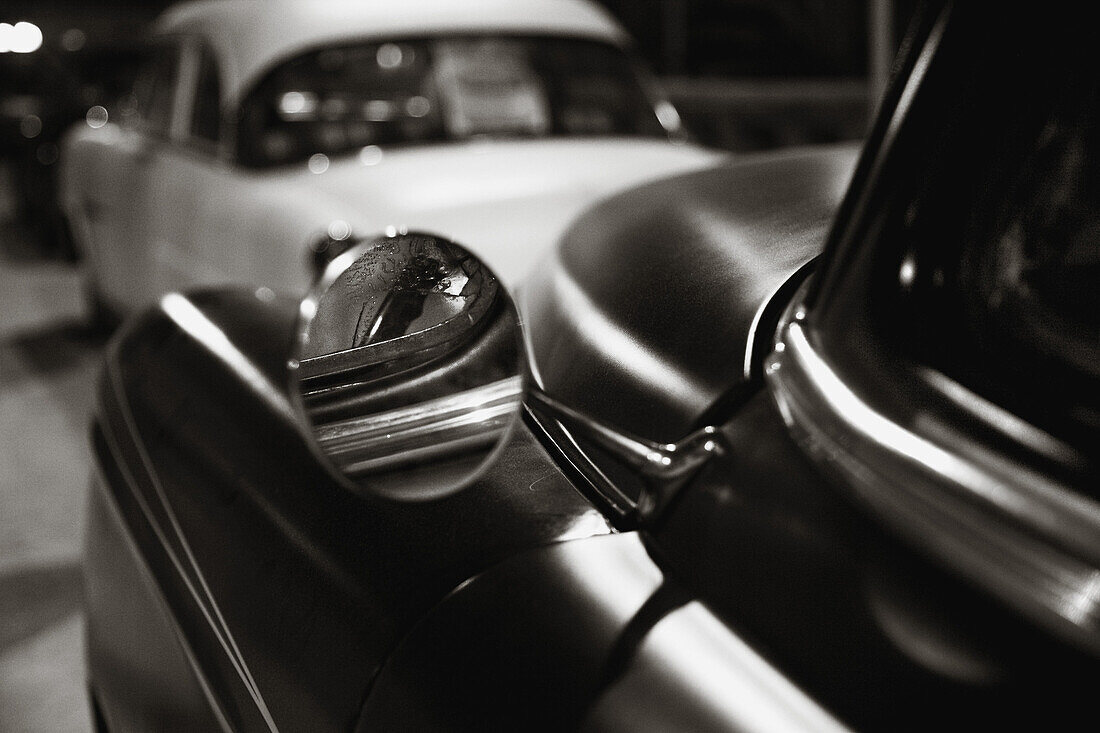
(746, 75)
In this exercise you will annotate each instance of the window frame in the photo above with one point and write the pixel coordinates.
(142, 122)
(969, 482)
(646, 86)
(193, 51)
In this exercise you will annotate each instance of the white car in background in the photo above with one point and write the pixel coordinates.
(261, 133)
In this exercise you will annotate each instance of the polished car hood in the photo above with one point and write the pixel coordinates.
(508, 201)
(650, 312)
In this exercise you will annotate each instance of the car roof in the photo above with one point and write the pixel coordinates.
(250, 36)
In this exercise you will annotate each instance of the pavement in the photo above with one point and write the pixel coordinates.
(49, 363)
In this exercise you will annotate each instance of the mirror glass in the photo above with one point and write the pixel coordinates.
(408, 366)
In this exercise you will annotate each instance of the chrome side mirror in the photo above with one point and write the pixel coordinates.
(408, 366)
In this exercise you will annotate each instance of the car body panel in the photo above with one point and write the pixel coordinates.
(618, 303)
(587, 634)
(292, 630)
(507, 201)
(146, 674)
(517, 627)
(210, 224)
(846, 608)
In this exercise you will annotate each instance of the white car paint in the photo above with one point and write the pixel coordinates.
(250, 35)
(159, 213)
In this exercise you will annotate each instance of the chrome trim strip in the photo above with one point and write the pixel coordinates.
(443, 427)
(566, 449)
(212, 613)
(756, 341)
(1028, 540)
(753, 335)
(147, 574)
(665, 466)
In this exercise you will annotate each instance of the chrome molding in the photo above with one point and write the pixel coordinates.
(473, 419)
(173, 536)
(1018, 534)
(666, 467)
(149, 578)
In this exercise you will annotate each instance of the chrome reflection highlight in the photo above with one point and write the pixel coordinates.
(407, 371)
(73, 39)
(370, 155)
(389, 56)
(30, 126)
(709, 669)
(1023, 537)
(195, 324)
(297, 104)
(664, 467)
(339, 230)
(475, 419)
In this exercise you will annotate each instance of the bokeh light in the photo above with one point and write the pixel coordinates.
(370, 155)
(96, 117)
(318, 163)
(23, 37)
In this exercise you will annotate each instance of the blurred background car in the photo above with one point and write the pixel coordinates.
(255, 143)
(744, 75)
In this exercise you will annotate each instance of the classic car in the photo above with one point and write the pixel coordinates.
(259, 137)
(801, 442)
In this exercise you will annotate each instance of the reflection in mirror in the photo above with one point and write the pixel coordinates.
(408, 365)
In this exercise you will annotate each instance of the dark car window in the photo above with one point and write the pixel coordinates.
(340, 100)
(206, 112)
(155, 88)
(988, 228)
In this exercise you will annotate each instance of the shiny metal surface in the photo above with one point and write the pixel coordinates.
(416, 340)
(690, 673)
(768, 596)
(476, 419)
(1018, 533)
(879, 633)
(655, 294)
(665, 467)
(313, 584)
(995, 500)
(588, 635)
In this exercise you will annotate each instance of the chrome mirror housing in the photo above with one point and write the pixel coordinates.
(408, 366)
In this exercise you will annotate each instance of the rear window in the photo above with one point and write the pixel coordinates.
(339, 100)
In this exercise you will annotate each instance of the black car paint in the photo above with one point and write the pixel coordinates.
(511, 602)
(885, 638)
(469, 611)
(229, 507)
(202, 455)
(680, 269)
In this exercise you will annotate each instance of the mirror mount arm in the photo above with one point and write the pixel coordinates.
(664, 467)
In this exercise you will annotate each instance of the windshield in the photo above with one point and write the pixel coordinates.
(341, 100)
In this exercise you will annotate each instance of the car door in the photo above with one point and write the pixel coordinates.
(181, 172)
(195, 183)
(118, 204)
(169, 165)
